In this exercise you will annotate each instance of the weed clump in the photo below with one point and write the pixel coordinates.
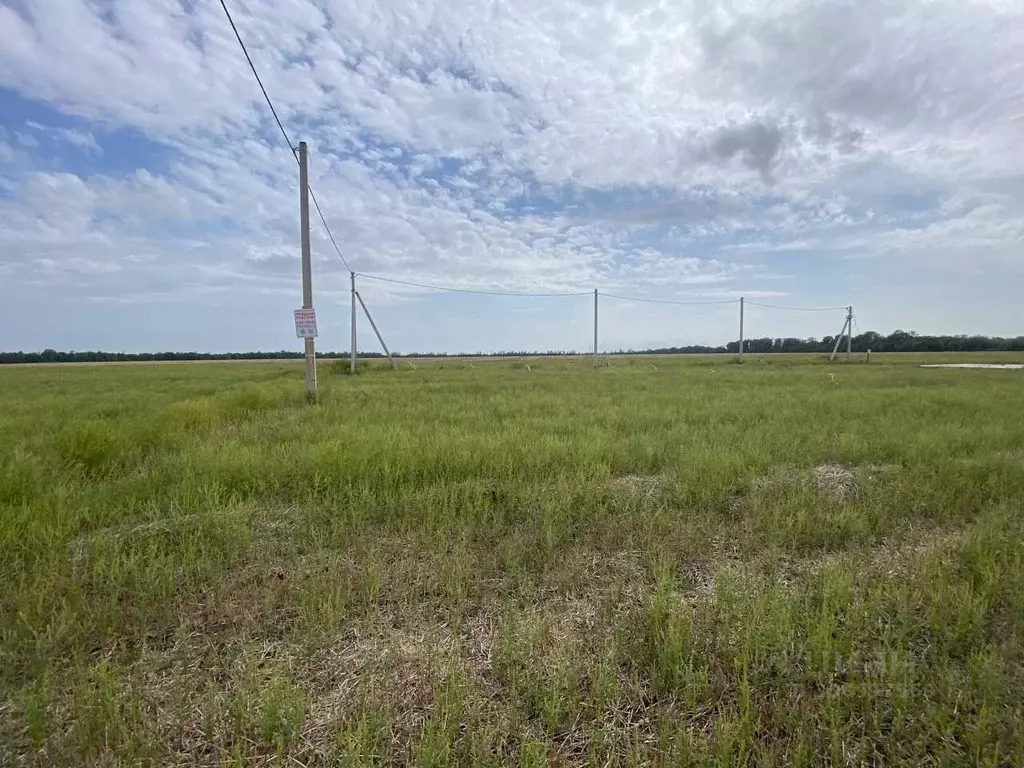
(836, 482)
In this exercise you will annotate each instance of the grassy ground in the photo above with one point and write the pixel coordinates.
(526, 562)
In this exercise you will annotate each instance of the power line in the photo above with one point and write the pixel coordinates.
(664, 301)
(334, 242)
(470, 290)
(283, 132)
(257, 76)
(796, 309)
(329, 233)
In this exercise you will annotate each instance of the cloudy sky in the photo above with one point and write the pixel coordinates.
(801, 153)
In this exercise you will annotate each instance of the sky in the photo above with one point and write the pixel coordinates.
(799, 153)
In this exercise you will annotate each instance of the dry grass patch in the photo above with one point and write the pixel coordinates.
(836, 482)
(645, 489)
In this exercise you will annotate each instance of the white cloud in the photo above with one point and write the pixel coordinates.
(78, 138)
(82, 139)
(692, 149)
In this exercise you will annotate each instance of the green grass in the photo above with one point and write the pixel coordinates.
(477, 562)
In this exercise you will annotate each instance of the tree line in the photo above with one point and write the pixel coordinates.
(54, 356)
(897, 341)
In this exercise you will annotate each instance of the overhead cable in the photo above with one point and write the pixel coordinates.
(329, 233)
(257, 76)
(470, 290)
(796, 309)
(665, 301)
(284, 133)
(337, 249)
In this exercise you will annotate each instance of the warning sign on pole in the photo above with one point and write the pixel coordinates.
(305, 323)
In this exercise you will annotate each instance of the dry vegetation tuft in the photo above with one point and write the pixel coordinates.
(836, 482)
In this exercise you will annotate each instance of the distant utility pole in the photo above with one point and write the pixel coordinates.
(740, 358)
(307, 267)
(595, 327)
(848, 330)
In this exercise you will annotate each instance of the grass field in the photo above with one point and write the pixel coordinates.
(660, 562)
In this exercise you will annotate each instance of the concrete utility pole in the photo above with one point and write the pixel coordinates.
(849, 332)
(307, 267)
(740, 358)
(595, 327)
(352, 362)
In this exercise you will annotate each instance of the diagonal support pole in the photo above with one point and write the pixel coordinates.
(839, 339)
(373, 325)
